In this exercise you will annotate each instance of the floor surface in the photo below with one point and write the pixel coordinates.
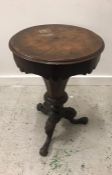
(75, 149)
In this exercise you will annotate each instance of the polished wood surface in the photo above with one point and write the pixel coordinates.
(56, 44)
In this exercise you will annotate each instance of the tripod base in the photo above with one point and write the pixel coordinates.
(54, 117)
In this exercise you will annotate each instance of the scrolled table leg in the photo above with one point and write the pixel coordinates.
(49, 129)
(69, 114)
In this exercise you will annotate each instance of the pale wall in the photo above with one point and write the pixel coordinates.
(16, 15)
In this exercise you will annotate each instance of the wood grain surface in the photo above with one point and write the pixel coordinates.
(56, 44)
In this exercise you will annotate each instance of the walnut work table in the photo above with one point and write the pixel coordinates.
(56, 52)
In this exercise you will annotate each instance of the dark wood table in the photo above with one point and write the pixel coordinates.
(56, 52)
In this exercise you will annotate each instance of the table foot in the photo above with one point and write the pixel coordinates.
(45, 147)
(82, 120)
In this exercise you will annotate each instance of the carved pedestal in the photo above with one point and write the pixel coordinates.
(55, 97)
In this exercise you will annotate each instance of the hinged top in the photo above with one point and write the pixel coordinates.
(56, 44)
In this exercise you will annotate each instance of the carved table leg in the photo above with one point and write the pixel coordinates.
(49, 129)
(69, 114)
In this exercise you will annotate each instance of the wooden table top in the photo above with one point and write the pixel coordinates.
(56, 44)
